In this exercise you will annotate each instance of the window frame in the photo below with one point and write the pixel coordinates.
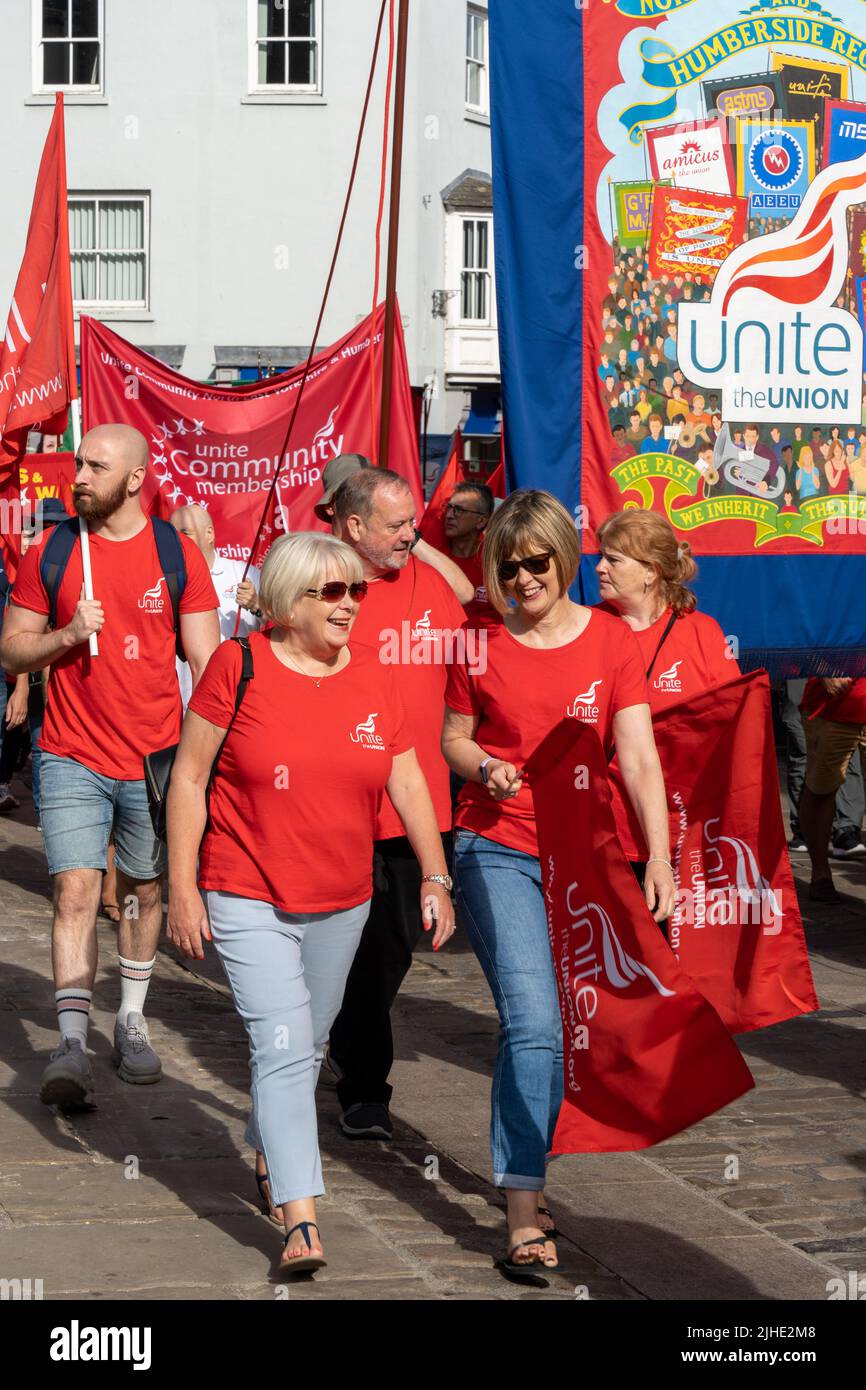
(39, 86)
(487, 272)
(283, 89)
(480, 13)
(99, 306)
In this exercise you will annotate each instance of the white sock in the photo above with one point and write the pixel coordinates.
(73, 1013)
(134, 980)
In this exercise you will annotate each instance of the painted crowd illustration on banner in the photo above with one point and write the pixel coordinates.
(725, 364)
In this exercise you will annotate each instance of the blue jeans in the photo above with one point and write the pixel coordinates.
(501, 907)
(287, 973)
(80, 807)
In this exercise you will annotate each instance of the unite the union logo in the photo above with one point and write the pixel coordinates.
(583, 706)
(365, 734)
(771, 336)
(152, 600)
(670, 679)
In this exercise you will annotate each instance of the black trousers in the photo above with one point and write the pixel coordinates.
(361, 1042)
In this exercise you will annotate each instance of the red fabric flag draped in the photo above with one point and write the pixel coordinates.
(37, 352)
(219, 447)
(645, 1054)
(496, 481)
(432, 525)
(737, 928)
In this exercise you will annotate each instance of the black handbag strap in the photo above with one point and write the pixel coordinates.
(247, 673)
(664, 637)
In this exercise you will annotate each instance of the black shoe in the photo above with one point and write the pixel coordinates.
(367, 1120)
(823, 891)
(796, 845)
(847, 845)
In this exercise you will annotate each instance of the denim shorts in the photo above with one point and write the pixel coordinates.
(79, 810)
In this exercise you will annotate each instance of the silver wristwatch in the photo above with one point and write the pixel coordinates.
(445, 879)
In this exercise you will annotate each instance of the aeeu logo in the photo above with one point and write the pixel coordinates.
(771, 317)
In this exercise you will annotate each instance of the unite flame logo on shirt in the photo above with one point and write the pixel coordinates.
(670, 679)
(584, 707)
(771, 336)
(365, 734)
(152, 600)
(423, 630)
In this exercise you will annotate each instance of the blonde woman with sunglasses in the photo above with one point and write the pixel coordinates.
(285, 844)
(550, 659)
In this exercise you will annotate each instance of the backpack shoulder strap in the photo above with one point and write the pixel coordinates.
(173, 566)
(54, 559)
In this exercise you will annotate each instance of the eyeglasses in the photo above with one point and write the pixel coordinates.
(462, 511)
(535, 564)
(336, 589)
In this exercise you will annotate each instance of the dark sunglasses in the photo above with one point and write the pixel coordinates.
(535, 564)
(336, 589)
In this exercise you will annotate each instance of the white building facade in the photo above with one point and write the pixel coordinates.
(209, 145)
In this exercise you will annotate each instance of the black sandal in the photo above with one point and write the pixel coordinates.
(532, 1267)
(552, 1233)
(303, 1264)
(268, 1207)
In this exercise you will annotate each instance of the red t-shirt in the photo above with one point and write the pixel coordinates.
(412, 619)
(695, 657)
(294, 803)
(847, 708)
(108, 711)
(524, 693)
(479, 609)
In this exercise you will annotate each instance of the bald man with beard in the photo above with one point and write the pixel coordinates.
(232, 589)
(103, 714)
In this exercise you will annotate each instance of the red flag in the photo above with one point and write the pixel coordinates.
(11, 521)
(432, 526)
(37, 353)
(645, 1054)
(219, 446)
(737, 928)
(496, 481)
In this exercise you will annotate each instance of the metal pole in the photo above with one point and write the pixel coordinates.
(393, 234)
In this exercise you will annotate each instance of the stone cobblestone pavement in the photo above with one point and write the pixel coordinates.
(152, 1196)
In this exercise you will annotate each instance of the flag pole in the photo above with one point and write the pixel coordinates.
(75, 402)
(393, 235)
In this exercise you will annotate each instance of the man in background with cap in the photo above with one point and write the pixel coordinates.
(337, 471)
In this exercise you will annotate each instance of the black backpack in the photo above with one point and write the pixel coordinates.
(61, 543)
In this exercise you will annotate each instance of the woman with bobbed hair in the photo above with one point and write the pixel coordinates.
(643, 574)
(549, 659)
(286, 844)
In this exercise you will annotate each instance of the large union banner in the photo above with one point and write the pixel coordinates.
(698, 351)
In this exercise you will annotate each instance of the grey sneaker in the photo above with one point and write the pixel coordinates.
(67, 1081)
(133, 1055)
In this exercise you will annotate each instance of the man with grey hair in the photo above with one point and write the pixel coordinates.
(104, 713)
(409, 607)
(233, 591)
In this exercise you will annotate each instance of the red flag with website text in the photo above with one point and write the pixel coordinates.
(737, 928)
(645, 1055)
(219, 447)
(37, 351)
(432, 525)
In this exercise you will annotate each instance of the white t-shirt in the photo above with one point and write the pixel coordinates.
(226, 575)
